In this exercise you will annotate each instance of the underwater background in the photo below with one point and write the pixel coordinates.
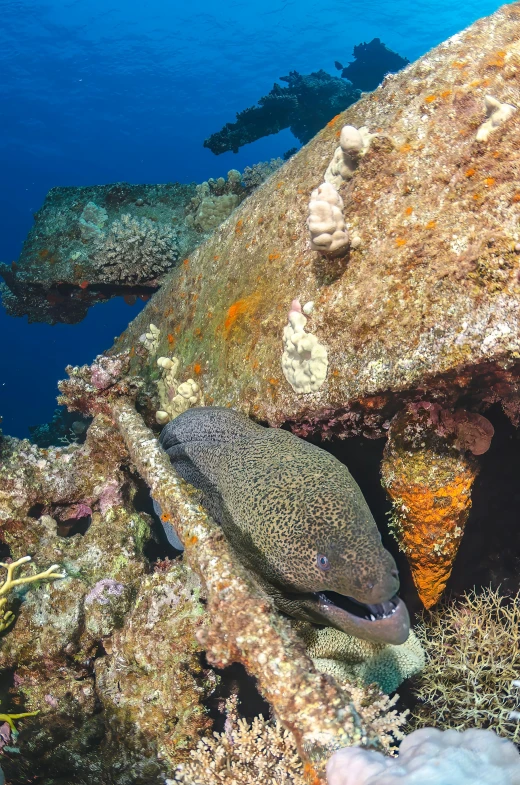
(96, 93)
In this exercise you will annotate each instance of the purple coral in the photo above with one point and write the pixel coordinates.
(103, 590)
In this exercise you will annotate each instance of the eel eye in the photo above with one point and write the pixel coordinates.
(323, 562)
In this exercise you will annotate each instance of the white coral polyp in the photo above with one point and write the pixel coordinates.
(304, 360)
(325, 222)
(434, 757)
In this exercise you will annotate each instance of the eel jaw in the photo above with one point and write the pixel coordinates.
(387, 622)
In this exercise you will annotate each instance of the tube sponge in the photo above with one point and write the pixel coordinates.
(434, 757)
(326, 222)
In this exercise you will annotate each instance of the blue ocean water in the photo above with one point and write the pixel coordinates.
(100, 91)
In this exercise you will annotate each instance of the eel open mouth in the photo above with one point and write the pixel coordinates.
(386, 622)
(370, 612)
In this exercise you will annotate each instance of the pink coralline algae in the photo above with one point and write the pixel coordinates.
(75, 512)
(110, 496)
(5, 735)
(106, 371)
(103, 590)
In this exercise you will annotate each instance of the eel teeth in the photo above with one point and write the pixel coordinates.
(362, 610)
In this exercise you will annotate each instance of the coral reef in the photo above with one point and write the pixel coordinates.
(110, 651)
(472, 665)
(7, 617)
(64, 428)
(91, 243)
(309, 101)
(431, 756)
(429, 477)
(243, 754)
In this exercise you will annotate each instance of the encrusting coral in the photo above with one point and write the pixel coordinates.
(472, 665)
(497, 113)
(7, 617)
(353, 144)
(174, 397)
(354, 660)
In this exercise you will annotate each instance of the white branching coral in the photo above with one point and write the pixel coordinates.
(175, 397)
(151, 339)
(137, 249)
(326, 223)
(7, 617)
(353, 144)
(304, 359)
(458, 688)
(497, 114)
(243, 755)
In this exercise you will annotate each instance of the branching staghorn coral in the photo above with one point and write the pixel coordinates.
(473, 659)
(137, 250)
(7, 617)
(243, 754)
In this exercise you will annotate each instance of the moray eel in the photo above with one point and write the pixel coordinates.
(295, 517)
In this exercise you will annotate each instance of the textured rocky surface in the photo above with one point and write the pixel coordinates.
(425, 307)
(107, 656)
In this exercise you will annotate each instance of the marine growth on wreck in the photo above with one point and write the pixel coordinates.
(270, 534)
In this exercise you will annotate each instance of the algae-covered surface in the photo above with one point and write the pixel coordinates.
(429, 300)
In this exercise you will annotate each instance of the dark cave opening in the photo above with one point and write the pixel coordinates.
(234, 680)
(489, 554)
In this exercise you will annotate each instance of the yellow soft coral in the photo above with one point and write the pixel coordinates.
(6, 616)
